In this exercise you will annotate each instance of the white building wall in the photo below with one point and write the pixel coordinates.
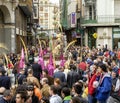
(71, 9)
(105, 7)
(117, 7)
(71, 6)
(104, 39)
(105, 10)
(48, 22)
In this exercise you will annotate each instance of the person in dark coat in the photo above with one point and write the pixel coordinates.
(37, 69)
(60, 75)
(73, 76)
(4, 80)
(6, 97)
(21, 76)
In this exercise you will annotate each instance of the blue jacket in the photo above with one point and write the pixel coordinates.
(104, 88)
(60, 75)
(2, 100)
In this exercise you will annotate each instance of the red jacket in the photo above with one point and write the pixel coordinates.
(91, 89)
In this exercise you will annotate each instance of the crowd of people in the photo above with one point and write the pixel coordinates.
(91, 76)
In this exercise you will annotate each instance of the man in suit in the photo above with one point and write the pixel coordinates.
(59, 74)
(37, 69)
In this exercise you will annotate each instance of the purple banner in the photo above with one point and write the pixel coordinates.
(73, 18)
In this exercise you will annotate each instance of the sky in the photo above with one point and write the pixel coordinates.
(55, 1)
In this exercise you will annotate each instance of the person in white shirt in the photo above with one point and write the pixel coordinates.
(54, 96)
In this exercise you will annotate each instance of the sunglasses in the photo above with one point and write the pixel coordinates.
(30, 89)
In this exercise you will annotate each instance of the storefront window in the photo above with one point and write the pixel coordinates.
(116, 37)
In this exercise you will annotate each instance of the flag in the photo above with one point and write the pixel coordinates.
(73, 18)
(41, 60)
(51, 59)
(45, 51)
(22, 59)
(62, 60)
(50, 65)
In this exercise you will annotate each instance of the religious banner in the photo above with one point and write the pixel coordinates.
(73, 19)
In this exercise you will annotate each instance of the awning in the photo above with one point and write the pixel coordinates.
(25, 8)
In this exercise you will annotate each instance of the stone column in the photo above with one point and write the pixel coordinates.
(86, 38)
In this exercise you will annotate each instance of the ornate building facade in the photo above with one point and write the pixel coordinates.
(15, 17)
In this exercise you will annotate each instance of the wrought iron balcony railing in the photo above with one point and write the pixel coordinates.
(100, 19)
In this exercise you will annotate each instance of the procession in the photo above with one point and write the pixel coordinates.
(84, 76)
(59, 51)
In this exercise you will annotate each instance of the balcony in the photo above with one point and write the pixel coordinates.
(100, 20)
(90, 2)
(26, 6)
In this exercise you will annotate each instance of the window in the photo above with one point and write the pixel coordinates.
(45, 2)
(35, 11)
(46, 14)
(41, 15)
(41, 8)
(41, 20)
(46, 26)
(46, 9)
(90, 12)
(46, 21)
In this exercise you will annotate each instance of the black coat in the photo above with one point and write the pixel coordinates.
(72, 77)
(20, 78)
(35, 99)
(37, 70)
(5, 82)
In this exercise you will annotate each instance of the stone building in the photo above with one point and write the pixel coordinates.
(48, 16)
(94, 17)
(15, 17)
(101, 17)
